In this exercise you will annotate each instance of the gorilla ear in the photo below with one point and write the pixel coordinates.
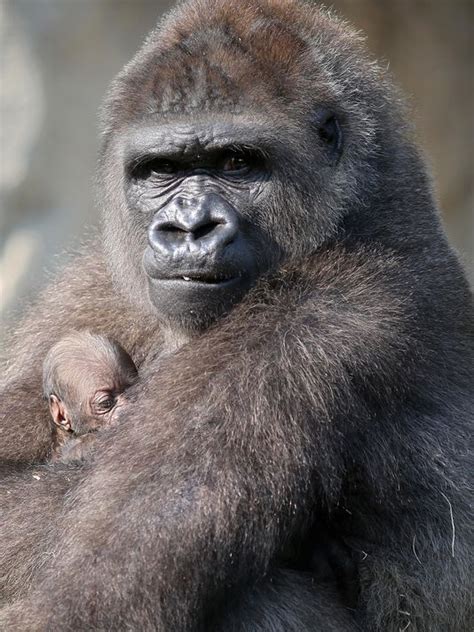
(327, 125)
(59, 413)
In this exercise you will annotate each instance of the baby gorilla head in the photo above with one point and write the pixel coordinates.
(84, 379)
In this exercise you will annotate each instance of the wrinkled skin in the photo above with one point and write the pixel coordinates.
(85, 377)
(272, 260)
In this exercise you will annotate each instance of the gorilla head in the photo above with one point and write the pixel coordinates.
(251, 137)
(228, 149)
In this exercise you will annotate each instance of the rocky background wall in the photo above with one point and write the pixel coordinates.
(57, 57)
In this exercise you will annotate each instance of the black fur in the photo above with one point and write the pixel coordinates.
(335, 398)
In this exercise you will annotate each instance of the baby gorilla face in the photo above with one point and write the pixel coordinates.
(75, 426)
(103, 407)
(85, 377)
(91, 403)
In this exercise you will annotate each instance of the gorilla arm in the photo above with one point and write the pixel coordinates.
(81, 298)
(31, 499)
(295, 384)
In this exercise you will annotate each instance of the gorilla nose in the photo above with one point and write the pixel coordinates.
(195, 225)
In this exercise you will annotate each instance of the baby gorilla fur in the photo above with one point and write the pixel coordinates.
(84, 379)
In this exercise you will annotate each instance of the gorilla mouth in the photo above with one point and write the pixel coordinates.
(212, 274)
(206, 278)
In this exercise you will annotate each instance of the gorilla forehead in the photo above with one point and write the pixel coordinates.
(262, 56)
(188, 138)
(231, 66)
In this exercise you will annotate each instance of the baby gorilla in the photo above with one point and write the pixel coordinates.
(84, 379)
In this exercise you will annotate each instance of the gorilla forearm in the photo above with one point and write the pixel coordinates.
(25, 427)
(69, 303)
(221, 489)
(36, 492)
(287, 602)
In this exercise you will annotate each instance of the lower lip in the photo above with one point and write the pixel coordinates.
(190, 282)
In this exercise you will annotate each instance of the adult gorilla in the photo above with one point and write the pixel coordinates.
(273, 260)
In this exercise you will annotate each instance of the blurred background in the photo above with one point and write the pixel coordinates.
(57, 57)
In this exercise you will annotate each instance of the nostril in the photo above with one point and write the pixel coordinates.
(208, 226)
(204, 230)
(199, 231)
(171, 228)
(163, 236)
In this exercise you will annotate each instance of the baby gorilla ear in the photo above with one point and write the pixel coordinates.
(59, 413)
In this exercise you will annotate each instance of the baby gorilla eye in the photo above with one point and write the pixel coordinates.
(103, 403)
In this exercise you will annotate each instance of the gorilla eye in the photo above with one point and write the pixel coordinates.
(103, 403)
(162, 167)
(235, 164)
(154, 167)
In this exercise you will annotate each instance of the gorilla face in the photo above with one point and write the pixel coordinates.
(212, 179)
(195, 187)
(202, 208)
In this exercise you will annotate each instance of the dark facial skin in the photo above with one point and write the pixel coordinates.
(195, 186)
(196, 190)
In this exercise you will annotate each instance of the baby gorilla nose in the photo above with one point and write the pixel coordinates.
(199, 225)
